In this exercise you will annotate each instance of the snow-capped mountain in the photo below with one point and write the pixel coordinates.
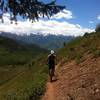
(48, 41)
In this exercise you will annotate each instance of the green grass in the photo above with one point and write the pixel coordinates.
(23, 70)
(23, 83)
(80, 45)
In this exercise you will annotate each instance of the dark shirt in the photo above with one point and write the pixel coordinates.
(51, 59)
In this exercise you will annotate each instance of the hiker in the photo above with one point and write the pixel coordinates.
(51, 64)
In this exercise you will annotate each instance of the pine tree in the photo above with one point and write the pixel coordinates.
(97, 27)
(31, 9)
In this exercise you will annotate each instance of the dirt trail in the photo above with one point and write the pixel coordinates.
(76, 82)
(50, 92)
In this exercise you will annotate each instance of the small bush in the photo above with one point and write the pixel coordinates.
(86, 35)
(78, 59)
(96, 53)
(93, 49)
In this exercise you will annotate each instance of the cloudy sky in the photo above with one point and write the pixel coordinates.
(80, 16)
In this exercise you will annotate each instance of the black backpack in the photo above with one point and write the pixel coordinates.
(51, 59)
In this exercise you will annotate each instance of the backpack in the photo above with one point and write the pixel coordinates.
(51, 59)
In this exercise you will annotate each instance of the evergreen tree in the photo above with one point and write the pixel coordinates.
(97, 27)
(31, 9)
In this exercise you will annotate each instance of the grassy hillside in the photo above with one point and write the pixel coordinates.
(14, 53)
(79, 69)
(89, 43)
(23, 82)
(23, 70)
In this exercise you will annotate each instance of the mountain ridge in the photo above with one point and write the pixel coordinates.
(48, 42)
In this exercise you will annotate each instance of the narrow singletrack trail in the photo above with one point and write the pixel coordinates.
(50, 92)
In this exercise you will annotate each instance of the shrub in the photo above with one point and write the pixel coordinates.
(78, 58)
(97, 27)
(96, 53)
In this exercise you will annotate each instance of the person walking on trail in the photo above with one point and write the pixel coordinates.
(51, 64)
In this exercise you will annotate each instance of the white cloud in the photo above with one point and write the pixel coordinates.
(91, 22)
(66, 14)
(44, 27)
(98, 17)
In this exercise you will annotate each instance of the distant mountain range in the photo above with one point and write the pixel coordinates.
(48, 42)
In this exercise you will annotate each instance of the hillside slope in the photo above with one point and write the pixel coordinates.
(22, 70)
(76, 82)
(78, 72)
(13, 52)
